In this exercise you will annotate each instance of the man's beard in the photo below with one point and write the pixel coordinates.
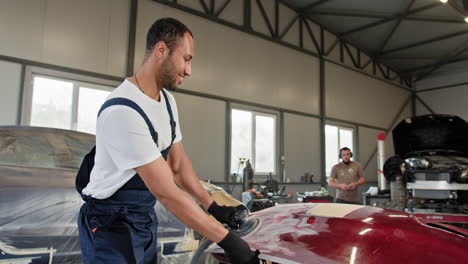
(168, 75)
(346, 162)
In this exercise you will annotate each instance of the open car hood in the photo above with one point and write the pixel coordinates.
(431, 134)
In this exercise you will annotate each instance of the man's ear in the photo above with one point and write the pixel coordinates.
(160, 49)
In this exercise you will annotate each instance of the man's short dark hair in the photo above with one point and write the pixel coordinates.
(168, 30)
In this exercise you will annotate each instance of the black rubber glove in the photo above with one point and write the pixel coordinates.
(237, 251)
(224, 214)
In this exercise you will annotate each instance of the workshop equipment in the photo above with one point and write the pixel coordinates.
(430, 168)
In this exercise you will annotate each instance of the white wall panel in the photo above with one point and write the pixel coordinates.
(367, 146)
(117, 43)
(87, 35)
(359, 98)
(234, 64)
(77, 33)
(10, 74)
(22, 28)
(203, 127)
(301, 146)
(450, 101)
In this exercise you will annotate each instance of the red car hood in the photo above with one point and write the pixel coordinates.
(339, 233)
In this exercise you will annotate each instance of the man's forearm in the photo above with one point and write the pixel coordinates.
(333, 183)
(191, 183)
(187, 211)
(159, 179)
(361, 181)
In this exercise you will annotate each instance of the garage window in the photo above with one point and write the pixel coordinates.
(253, 137)
(66, 104)
(336, 137)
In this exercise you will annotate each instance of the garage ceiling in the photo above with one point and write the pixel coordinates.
(414, 37)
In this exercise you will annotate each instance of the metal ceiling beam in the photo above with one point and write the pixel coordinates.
(288, 27)
(367, 74)
(343, 13)
(366, 64)
(420, 43)
(301, 33)
(265, 17)
(322, 40)
(446, 59)
(406, 58)
(248, 15)
(205, 6)
(221, 8)
(459, 9)
(350, 55)
(333, 12)
(246, 27)
(311, 6)
(443, 87)
(311, 34)
(397, 24)
(358, 57)
(465, 4)
(341, 51)
(212, 7)
(131, 37)
(385, 74)
(436, 20)
(332, 46)
(425, 66)
(424, 104)
(277, 18)
(394, 17)
(288, 4)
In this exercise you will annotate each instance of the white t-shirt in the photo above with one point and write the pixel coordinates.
(123, 140)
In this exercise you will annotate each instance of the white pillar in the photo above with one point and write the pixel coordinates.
(383, 183)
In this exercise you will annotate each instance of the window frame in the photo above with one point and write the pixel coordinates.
(341, 126)
(257, 111)
(76, 79)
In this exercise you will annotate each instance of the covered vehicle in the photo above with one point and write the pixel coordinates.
(39, 204)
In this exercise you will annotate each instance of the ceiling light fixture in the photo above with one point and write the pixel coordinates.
(466, 19)
(443, 1)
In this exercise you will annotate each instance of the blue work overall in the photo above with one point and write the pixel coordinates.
(123, 227)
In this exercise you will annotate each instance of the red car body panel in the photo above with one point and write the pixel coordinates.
(339, 233)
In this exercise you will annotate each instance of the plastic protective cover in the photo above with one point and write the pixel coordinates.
(39, 204)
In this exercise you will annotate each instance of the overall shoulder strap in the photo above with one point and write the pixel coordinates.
(171, 116)
(134, 106)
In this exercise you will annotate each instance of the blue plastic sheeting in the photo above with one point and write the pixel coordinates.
(39, 204)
